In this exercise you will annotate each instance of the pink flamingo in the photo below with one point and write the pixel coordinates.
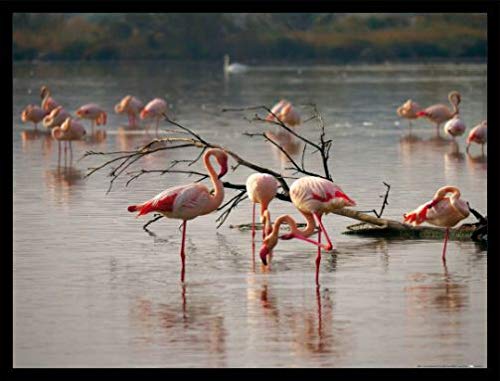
(441, 211)
(312, 196)
(409, 110)
(68, 131)
(186, 202)
(285, 112)
(261, 189)
(48, 103)
(440, 113)
(478, 135)
(56, 117)
(154, 109)
(94, 113)
(130, 105)
(34, 114)
(454, 127)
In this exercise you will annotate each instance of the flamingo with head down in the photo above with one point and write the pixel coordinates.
(261, 189)
(186, 202)
(131, 106)
(313, 197)
(441, 211)
(155, 109)
(94, 113)
(439, 113)
(33, 114)
(479, 135)
(454, 127)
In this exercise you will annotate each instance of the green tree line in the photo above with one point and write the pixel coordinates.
(337, 37)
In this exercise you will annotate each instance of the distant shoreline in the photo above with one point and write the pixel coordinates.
(291, 62)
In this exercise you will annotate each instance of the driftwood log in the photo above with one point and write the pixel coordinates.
(372, 226)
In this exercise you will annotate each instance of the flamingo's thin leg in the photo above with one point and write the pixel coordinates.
(318, 258)
(58, 153)
(253, 222)
(157, 124)
(65, 152)
(183, 255)
(320, 223)
(318, 301)
(443, 257)
(93, 127)
(70, 153)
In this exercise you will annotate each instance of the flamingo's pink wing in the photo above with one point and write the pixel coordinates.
(162, 202)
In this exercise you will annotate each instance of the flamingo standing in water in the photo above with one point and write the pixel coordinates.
(312, 196)
(130, 105)
(68, 131)
(261, 189)
(478, 135)
(33, 114)
(454, 127)
(48, 103)
(56, 117)
(94, 113)
(441, 211)
(409, 110)
(186, 202)
(440, 113)
(155, 109)
(285, 111)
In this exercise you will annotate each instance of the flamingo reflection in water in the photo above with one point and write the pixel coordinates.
(308, 323)
(28, 137)
(194, 323)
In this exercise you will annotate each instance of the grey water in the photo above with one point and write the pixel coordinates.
(93, 289)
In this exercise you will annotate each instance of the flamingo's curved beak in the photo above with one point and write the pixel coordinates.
(264, 252)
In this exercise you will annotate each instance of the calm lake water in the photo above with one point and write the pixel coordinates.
(93, 289)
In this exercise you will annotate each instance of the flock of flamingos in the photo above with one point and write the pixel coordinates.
(312, 196)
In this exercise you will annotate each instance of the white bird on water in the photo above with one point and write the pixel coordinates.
(233, 68)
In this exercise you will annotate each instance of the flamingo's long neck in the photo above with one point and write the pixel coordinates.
(218, 196)
(442, 192)
(306, 232)
(454, 101)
